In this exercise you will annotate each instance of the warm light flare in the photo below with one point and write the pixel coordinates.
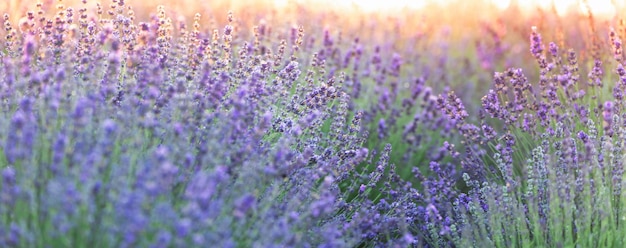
(501, 4)
(363, 5)
(562, 7)
(602, 7)
(597, 7)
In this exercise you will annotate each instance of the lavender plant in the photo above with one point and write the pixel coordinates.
(124, 133)
(121, 130)
(552, 174)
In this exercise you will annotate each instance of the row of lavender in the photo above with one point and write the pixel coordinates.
(552, 173)
(124, 133)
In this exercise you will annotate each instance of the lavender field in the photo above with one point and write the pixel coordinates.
(269, 124)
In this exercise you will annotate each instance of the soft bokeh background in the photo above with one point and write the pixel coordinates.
(456, 30)
(408, 17)
(373, 19)
(461, 18)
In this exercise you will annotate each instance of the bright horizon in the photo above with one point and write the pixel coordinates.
(598, 7)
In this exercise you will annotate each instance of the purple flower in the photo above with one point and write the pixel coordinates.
(536, 48)
(553, 49)
(382, 129)
(109, 127)
(583, 136)
(183, 227)
(243, 205)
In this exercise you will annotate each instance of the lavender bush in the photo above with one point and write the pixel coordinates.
(554, 175)
(124, 131)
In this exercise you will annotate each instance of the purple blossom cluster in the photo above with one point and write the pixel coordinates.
(547, 168)
(122, 131)
(118, 132)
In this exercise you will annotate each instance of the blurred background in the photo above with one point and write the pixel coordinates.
(471, 36)
(460, 18)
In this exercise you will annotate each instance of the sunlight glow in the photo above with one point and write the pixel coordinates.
(601, 7)
(372, 5)
(597, 7)
(501, 4)
(562, 7)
